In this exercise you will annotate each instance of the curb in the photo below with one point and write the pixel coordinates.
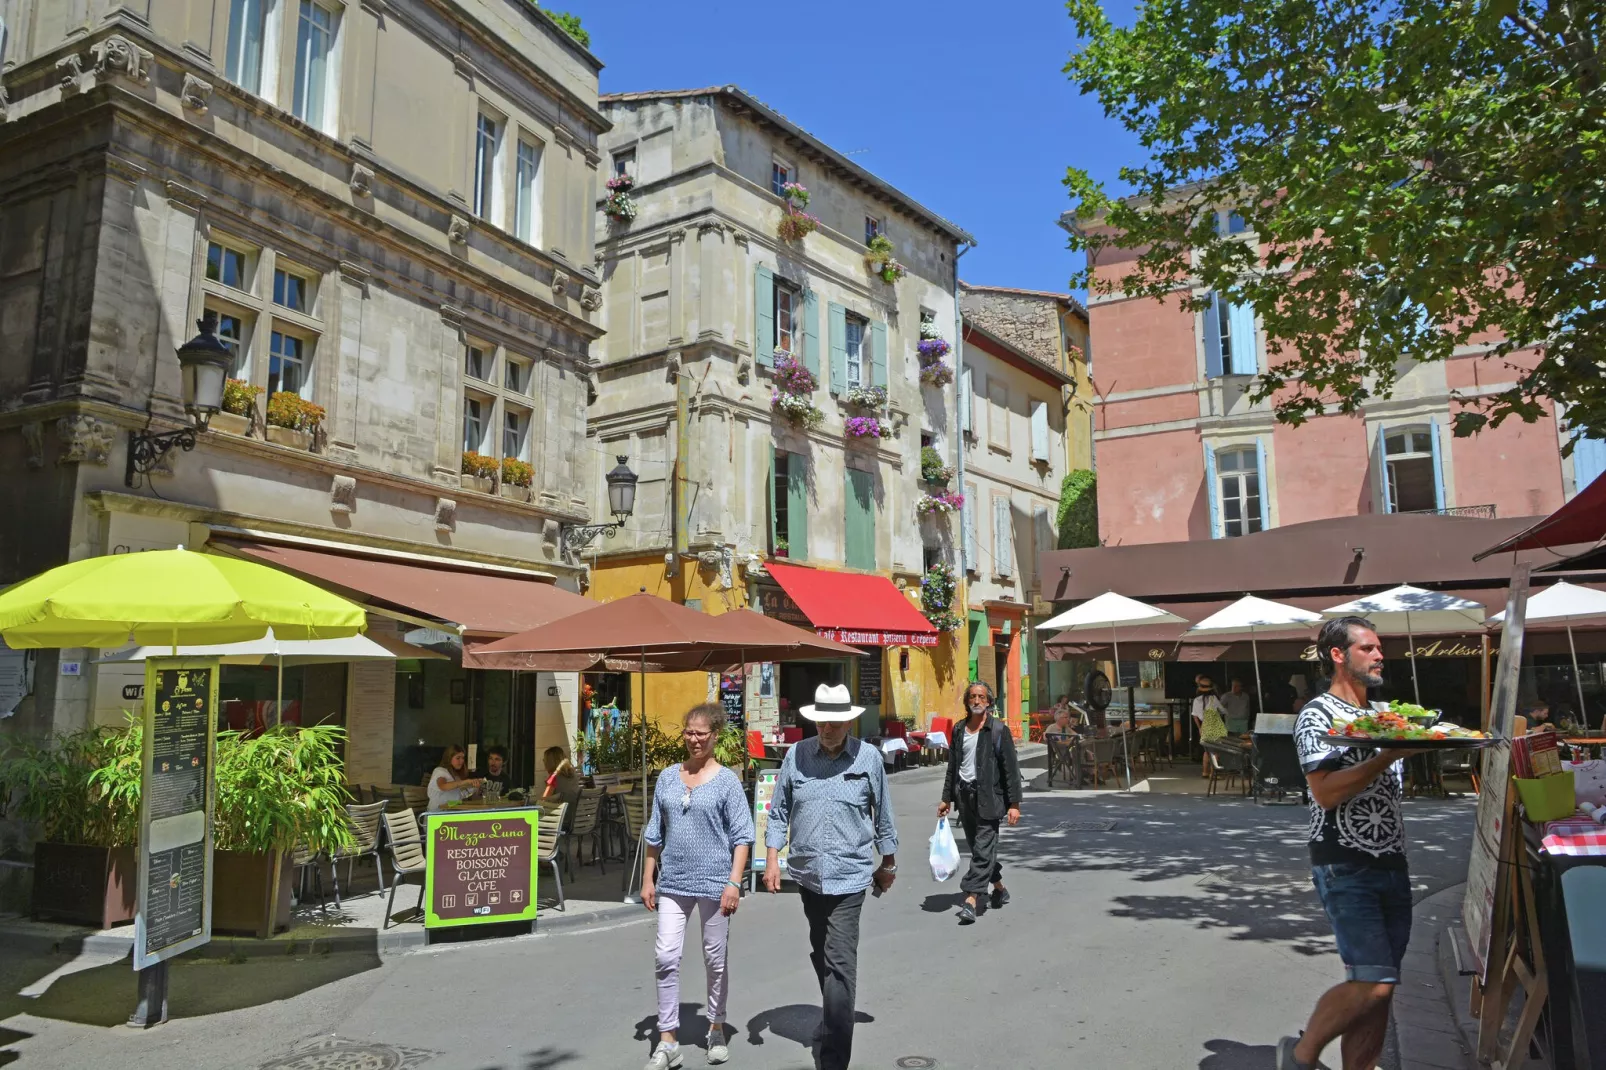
(1429, 1032)
(42, 938)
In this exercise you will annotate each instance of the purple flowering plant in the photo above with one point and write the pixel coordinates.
(863, 427)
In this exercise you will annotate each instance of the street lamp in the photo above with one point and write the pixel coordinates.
(621, 502)
(204, 363)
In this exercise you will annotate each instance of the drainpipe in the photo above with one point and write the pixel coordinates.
(682, 532)
(962, 587)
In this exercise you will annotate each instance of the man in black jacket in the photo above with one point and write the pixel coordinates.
(984, 778)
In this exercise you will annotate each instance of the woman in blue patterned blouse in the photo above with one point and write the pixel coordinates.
(698, 840)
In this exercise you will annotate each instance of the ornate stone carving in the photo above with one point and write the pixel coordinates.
(457, 230)
(591, 299)
(68, 70)
(362, 180)
(560, 284)
(343, 495)
(84, 439)
(672, 367)
(551, 532)
(5, 100)
(744, 369)
(196, 94)
(118, 55)
(33, 436)
(445, 514)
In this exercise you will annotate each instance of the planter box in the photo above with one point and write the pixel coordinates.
(94, 886)
(285, 436)
(518, 494)
(230, 424)
(242, 888)
(479, 484)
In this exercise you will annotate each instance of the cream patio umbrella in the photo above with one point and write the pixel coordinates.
(1112, 611)
(1408, 610)
(1250, 613)
(1564, 602)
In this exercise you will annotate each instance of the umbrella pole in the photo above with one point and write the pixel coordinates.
(636, 860)
(1131, 709)
(1254, 647)
(1410, 652)
(278, 698)
(1578, 681)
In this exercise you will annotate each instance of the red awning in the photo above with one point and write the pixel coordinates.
(484, 603)
(1582, 520)
(855, 609)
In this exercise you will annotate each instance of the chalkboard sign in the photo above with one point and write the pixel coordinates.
(481, 867)
(733, 696)
(870, 676)
(175, 859)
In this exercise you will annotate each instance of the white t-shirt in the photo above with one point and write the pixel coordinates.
(967, 757)
(439, 797)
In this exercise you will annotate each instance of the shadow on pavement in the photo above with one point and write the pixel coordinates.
(942, 902)
(546, 1058)
(796, 1022)
(1231, 1055)
(9, 1037)
(693, 1026)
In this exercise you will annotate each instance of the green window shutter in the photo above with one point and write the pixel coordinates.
(764, 316)
(860, 527)
(773, 494)
(797, 510)
(839, 347)
(811, 333)
(878, 354)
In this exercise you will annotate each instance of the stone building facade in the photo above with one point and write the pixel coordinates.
(704, 301)
(389, 205)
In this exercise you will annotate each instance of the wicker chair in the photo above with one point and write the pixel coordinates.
(364, 819)
(407, 857)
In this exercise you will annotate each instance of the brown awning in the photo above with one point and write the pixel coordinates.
(482, 603)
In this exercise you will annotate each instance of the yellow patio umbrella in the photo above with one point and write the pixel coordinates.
(168, 598)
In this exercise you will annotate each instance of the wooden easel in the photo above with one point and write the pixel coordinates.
(1516, 956)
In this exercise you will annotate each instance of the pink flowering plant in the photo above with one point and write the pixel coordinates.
(796, 225)
(939, 504)
(793, 395)
(863, 427)
(796, 194)
(620, 205)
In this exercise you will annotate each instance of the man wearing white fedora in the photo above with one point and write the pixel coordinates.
(831, 811)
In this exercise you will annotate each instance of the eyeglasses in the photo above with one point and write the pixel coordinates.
(696, 737)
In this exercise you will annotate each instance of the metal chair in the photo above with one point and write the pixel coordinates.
(1061, 758)
(390, 795)
(588, 825)
(364, 820)
(415, 798)
(1227, 762)
(407, 857)
(549, 842)
(305, 858)
(1105, 754)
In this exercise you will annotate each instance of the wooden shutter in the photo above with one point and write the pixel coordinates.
(1043, 540)
(1003, 540)
(764, 316)
(860, 526)
(1438, 467)
(968, 516)
(839, 348)
(1245, 358)
(797, 508)
(1212, 338)
(1039, 431)
(1212, 491)
(967, 384)
(878, 353)
(811, 333)
(1263, 479)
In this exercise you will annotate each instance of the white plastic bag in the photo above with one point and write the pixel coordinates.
(944, 852)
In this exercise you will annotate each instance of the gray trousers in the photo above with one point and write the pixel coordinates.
(834, 942)
(983, 839)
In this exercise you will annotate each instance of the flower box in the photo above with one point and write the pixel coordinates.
(862, 428)
(289, 436)
(229, 423)
(515, 493)
(479, 484)
(243, 897)
(84, 885)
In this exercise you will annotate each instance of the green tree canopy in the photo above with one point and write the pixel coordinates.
(1421, 175)
(570, 24)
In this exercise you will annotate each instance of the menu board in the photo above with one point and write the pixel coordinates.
(174, 913)
(870, 677)
(733, 696)
(481, 868)
(763, 792)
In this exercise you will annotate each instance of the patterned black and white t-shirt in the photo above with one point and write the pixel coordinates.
(1367, 830)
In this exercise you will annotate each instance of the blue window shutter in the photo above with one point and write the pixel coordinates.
(1381, 450)
(1265, 483)
(878, 354)
(811, 333)
(1589, 461)
(1210, 490)
(1438, 467)
(1212, 338)
(797, 508)
(764, 316)
(1245, 356)
(839, 347)
(859, 549)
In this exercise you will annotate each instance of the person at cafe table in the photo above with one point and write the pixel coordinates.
(493, 778)
(450, 781)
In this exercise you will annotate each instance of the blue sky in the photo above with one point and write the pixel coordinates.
(962, 106)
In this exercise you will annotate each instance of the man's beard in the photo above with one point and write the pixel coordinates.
(1365, 679)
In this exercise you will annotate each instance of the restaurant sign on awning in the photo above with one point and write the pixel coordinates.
(853, 638)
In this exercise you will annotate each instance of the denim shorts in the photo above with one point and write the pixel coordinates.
(1370, 911)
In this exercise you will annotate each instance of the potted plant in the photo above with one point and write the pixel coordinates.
(863, 428)
(879, 259)
(937, 596)
(293, 420)
(781, 548)
(871, 398)
(516, 479)
(620, 206)
(277, 790)
(81, 792)
(479, 472)
(932, 468)
(793, 396)
(239, 413)
(940, 504)
(931, 351)
(795, 225)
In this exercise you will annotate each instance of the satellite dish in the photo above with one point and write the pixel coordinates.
(1097, 691)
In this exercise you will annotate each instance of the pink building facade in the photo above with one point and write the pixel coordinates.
(1182, 454)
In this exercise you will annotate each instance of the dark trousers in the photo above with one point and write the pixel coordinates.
(983, 839)
(834, 939)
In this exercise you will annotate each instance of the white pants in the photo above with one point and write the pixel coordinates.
(673, 913)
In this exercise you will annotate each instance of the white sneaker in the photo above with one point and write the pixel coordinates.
(664, 1057)
(717, 1051)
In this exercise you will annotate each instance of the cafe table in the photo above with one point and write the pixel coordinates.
(1595, 742)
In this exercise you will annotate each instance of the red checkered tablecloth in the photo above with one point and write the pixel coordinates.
(1575, 836)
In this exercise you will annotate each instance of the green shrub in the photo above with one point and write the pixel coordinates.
(570, 25)
(1078, 518)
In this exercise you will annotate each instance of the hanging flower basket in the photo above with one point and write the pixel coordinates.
(794, 392)
(796, 195)
(863, 427)
(938, 374)
(620, 206)
(937, 597)
(932, 350)
(932, 468)
(939, 504)
(801, 411)
(796, 225)
(873, 398)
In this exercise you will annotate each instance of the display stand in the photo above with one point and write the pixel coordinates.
(1516, 955)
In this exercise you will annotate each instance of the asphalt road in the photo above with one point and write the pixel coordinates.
(1183, 935)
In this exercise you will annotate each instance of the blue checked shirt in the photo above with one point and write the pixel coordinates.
(838, 815)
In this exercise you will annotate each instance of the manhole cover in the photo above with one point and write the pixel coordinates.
(1084, 826)
(338, 1053)
(917, 1062)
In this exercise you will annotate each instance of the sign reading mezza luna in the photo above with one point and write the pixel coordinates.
(482, 868)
